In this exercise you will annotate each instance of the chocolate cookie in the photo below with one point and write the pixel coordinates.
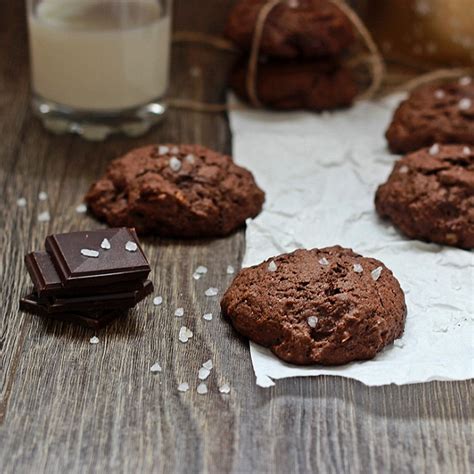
(297, 28)
(434, 114)
(430, 195)
(328, 306)
(176, 191)
(289, 85)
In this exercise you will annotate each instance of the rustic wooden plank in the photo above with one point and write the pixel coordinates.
(66, 405)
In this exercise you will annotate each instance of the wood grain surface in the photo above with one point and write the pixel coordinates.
(69, 406)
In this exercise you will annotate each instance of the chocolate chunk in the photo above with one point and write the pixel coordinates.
(76, 269)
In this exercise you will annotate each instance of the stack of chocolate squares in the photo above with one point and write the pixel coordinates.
(88, 278)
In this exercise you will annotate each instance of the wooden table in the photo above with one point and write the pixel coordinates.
(69, 406)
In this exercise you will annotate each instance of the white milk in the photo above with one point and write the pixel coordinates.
(99, 55)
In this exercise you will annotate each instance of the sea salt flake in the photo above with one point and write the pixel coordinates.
(465, 81)
(207, 316)
(272, 266)
(211, 291)
(157, 300)
(465, 104)
(42, 196)
(183, 387)
(375, 273)
(94, 340)
(202, 389)
(131, 246)
(440, 94)
(201, 270)
(81, 209)
(179, 312)
(21, 202)
(190, 158)
(44, 216)
(155, 368)
(434, 150)
(358, 268)
(105, 244)
(225, 388)
(312, 321)
(208, 364)
(466, 150)
(185, 334)
(163, 150)
(398, 343)
(203, 373)
(324, 261)
(175, 163)
(230, 270)
(89, 253)
(403, 169)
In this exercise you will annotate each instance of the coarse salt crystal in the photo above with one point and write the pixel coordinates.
(434, 150)
(131, 246)
(230, 270)
(466, 150)
(398, 343)
(94, 340)
(21, 202)
(225, 388)
(190, 158)
(44, 217)
(465, 104)
(202, 389)
(440, 94)
(183, 387)
(324, 261)
(157, 300)
(89, 253)
(358, 268)
(207, 316)
(312, 321)
(81, 208)
(174, 150)
(465, 81)
(203, 373)
(175, 163)
(105, 244)
(155, 368)
(211, 292)
(185, 334)
(272, 266)
(179, 312)
(208, 364)
(199, 272)
(375, 273)
(403, 169)
(163, 150)
(42, 196)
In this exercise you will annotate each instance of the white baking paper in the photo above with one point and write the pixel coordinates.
(320, 173)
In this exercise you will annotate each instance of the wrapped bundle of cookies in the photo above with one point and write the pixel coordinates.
(296, 54)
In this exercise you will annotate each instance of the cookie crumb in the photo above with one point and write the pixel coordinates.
(230, 270)
(207, 317)
(202, 389)
(465, 104)
(155, 368)
(324, 261)
(183, 387)
(185, 334)
(21, 202)
(94, 340)
(175, 163)
(434, 150)
(131, 246)
(179, 312)
(105, 244)
(358, 268)
(211, 291)
(312, 321)
(44, 217)
(89, 253)
(272, 266)
(81, 209)
(157, 300)
(375, 273)
(225, 388)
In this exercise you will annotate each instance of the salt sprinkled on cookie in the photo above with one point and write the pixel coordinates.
(89, 253)
(81, 209)
(434, 150)
(466, 150)
(324, 261)
(183, 387)
(175, 163)
(211, 291)
(272, 266)
(403, 169)
(21, 202)
(42, 196)
(440, 94)
(179, 313)
(375, 273)
(465, 81)
(163, 150)
(157, 300)
(225, 389)
(312, 321)
(105, 244)
(190, 158)
(202, 389)
(44, 216)
(131, 246)
(174, 150)
(465, 104)
(207, 317)
(185, 334)
(293, 3)
(230, 270)
(155, 368)
(358, 268)
(94, 340)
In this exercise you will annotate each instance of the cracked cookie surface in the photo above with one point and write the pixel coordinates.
(442, 113)
(322, 306)
(171, 190)
(430, 195)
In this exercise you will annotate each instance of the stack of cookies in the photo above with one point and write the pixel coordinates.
(300, 54)
(88, 277)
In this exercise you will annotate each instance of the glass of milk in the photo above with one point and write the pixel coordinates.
(99, 66)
